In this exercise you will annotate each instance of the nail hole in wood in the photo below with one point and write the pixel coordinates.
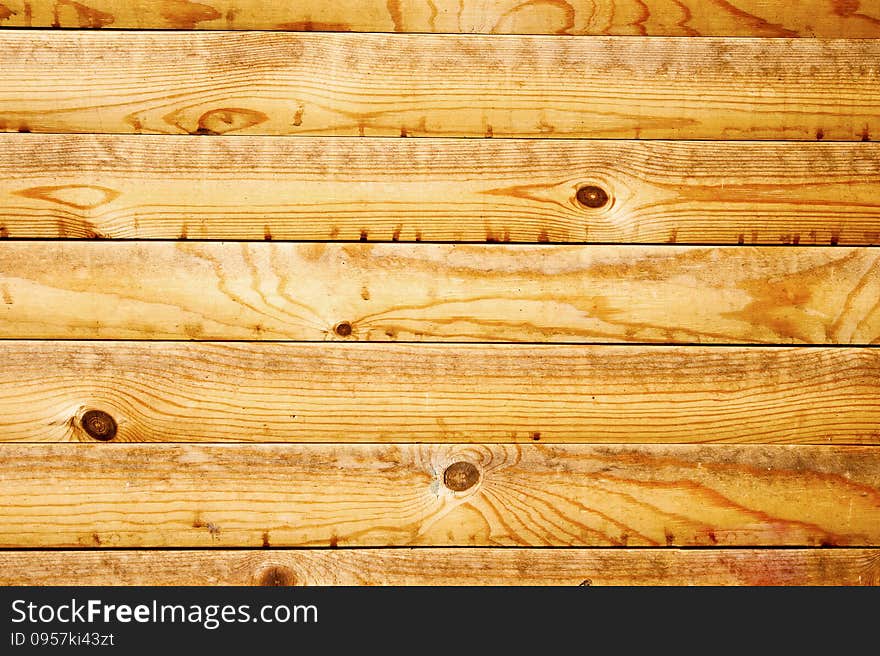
(98, 425)
(592, 196)
(461, 476)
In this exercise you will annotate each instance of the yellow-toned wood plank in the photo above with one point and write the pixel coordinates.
(425, 292)
(317, 188)
(213, 83)
(776, 18)
(444, 566)
(128, 495)
(269, 392)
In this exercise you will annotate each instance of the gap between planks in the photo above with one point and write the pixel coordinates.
(438, 566)
(209, 83)
(437, 190)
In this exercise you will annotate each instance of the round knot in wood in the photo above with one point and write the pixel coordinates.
(276, 575)
(592, 196)
(343, 329)
(99, 425)
(461, 476)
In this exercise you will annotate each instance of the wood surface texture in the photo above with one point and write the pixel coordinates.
(642, 348)
(134, 495)
(211, 83)
(240, 392)
(439, 292)
(766, 18)
(444, 566)
(314, 188)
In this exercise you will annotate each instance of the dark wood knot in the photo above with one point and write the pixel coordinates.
(277, 575)
(461, 476)
(592, 196)
(343, 329)
(99, 425)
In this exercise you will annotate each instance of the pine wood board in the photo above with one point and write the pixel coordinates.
(773, 18)
(439, 292)
(443, 566)
(346, 188)
(130, 495)
(212, 83)
(276, 392)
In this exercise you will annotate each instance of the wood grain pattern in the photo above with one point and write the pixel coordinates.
(189, 392)
(444, 566)
(315, 188)
(424, 85)
(424, 292)
(128, 495)
(768, 18)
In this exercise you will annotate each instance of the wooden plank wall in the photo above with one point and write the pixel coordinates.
(549, 293)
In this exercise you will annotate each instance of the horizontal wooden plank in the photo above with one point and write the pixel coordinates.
(130, 495)
(316, 188)
(444, 566)
(424, 292)
(212, 83)
(271, 392)
(774, 18)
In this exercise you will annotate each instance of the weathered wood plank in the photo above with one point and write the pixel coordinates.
(128, 495)
(172, 391)
(348, 84)
(444, 566)
(773, 18)
(424, 292)
(171, 187)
